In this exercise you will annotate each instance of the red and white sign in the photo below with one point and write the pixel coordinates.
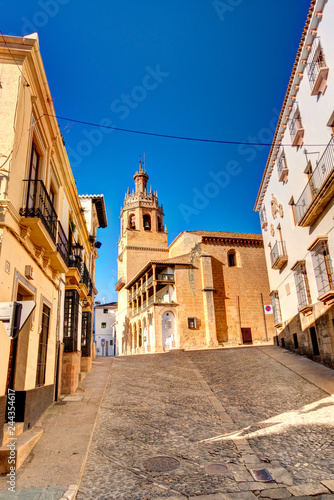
(268, 309)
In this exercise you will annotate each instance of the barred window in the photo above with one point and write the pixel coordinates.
(43, 346)
(276, 307)
(302, 284)
(71, 320)
(322, 267)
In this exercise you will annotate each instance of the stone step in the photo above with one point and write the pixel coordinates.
(10, 431)
(22, 446)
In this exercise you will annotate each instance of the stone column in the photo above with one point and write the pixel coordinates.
(208, 302)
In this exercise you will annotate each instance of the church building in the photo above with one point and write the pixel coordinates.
(207, 288)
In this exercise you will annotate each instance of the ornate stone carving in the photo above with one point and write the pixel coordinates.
(281, 210)
(274, 206)
(272, 230)
(25, 232)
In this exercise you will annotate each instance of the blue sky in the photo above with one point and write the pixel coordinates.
(206, 69)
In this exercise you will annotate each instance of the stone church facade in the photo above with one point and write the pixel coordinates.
(208, 288)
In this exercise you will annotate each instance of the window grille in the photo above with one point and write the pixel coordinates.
(276, 307)
(71, 320)
(86, 333)
(302, 285)
(295, 122)
(316, 61)
(323, 267)
(43, 346)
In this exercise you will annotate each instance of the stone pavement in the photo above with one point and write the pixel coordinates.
(239, 408)
(53, 469)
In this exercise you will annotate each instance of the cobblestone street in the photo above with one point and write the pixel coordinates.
(237, 407)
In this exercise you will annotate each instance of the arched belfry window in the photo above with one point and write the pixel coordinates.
(132, 221)
(232, 258)
(147, 222)
(160, 226)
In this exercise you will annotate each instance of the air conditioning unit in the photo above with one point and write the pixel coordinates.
(29, 272)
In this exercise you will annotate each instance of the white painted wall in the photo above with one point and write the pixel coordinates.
(107, 334)
(315, 113)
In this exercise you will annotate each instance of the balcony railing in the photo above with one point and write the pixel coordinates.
(38, 204)
(164, 299)
(150, 279)
(85, 275)
(318, 191)
(166, 277)
(278, 255)
(62, 243)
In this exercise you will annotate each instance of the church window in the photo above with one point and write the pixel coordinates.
(232, 261)
(147, 222)
(132, 221)
(160, 226)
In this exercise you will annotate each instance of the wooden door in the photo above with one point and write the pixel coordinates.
(246, 335)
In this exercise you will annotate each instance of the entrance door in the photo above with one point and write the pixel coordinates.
(168, 330)
(314, 341)
(246, 335)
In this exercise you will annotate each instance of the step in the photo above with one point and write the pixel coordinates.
(10, 431)
(22, 445)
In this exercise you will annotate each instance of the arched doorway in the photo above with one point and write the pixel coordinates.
(168, 330)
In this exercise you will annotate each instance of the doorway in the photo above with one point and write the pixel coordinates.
(246, 335)
(314, 341)
(168, 330)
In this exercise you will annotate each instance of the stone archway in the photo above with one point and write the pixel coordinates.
(168, 330)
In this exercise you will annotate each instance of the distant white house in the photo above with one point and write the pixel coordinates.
(105, 320)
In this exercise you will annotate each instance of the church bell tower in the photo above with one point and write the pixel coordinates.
(143, 235)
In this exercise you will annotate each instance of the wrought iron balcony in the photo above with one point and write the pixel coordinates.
(318, 191)
(166, 277)
(278, 255)
(85, 278)
(39, 205)
(62, 243)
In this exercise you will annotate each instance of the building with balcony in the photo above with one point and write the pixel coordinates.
(205, 289)
(297, 196)
(47, 250)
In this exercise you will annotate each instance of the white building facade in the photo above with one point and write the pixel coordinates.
(105, 321)
(295, 200)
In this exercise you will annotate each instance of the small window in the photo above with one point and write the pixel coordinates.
(111, 342)
(103, 325)
(231, 259)
(192, 323)
(105, 311)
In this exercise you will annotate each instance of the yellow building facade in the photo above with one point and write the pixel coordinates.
(47, 249)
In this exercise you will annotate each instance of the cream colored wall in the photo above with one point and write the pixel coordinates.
(4, 354)
(18, 258)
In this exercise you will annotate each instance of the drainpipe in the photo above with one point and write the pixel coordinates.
(239, 316)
